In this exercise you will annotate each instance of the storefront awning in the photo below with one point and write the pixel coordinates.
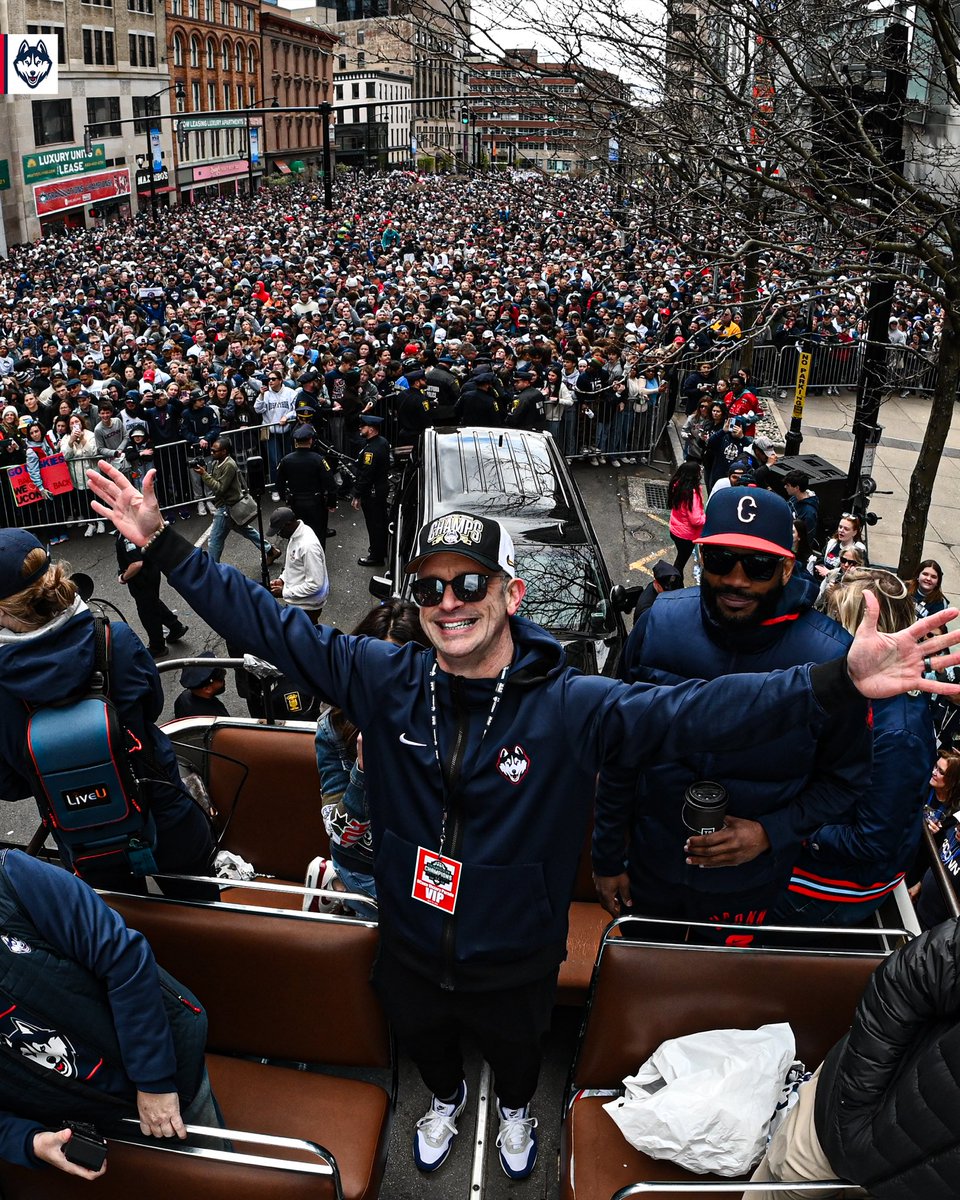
(282, 166)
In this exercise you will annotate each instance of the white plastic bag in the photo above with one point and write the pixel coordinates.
(705, 1101)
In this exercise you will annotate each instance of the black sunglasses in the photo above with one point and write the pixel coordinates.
(758, 567)
(428, 591)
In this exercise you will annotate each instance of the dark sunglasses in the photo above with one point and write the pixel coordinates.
(429, 590)
(758, 567)
(849, 562)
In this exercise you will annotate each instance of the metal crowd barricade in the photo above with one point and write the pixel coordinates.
(598, 428)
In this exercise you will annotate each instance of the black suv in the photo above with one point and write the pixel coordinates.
(521, 480)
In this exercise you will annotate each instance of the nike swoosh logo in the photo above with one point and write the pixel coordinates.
(405, 741)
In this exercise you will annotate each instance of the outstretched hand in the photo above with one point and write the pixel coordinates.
(888, 664)
(137, 516)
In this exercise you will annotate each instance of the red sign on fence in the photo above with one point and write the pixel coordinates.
(55, 475)
(25, 491)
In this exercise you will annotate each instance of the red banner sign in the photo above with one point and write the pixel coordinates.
(25, 491)
(55, 475)
(60, 194)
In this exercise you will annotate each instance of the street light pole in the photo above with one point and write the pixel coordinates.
(326, 111)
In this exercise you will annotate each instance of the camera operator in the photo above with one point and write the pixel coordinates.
(223, 481)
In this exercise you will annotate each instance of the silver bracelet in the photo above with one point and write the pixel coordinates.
(153, 536)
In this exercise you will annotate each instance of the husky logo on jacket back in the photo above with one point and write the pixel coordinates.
(512, 763)
(32, 63)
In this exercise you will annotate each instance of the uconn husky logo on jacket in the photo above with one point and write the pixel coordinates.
(45, 1047)
(512, 763)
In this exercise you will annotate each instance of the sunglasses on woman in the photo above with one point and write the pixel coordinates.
(428, 591)
(759, 567)
(849, 562)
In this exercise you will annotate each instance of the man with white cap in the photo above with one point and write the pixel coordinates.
(480, 758)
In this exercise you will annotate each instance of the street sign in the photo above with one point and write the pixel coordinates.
(803, 378)
(613, 150)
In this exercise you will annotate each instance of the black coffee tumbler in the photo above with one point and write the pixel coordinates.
(704, 806)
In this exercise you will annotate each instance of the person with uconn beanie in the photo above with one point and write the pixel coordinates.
(750, 614)
(481, 768)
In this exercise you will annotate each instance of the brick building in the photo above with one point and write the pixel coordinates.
(297, 70)
(213, 49)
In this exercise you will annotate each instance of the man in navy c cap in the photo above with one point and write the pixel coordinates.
(749, 614)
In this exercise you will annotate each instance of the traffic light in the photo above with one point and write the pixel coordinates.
(464, 115)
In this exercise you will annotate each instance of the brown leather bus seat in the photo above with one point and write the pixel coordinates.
(645, 993)
(269, 813)
(287, 988)
(587, 923)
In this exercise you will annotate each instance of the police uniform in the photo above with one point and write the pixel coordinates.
(308, 484)
(373, 482)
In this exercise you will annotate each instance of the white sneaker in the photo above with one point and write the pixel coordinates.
(321, 873)
(275, 497)
(594, 461)
(614, 462)
(101, 527)
(211, 508)
(90, 530)
(517, 1141)
(436, 1130)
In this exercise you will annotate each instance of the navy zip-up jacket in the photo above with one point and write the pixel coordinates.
(790, 773)
(71, 918)
(516, 816)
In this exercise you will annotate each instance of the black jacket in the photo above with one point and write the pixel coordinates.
(888, 1102)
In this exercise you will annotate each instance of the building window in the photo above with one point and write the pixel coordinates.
(225, 12)
(237, 17)
(251, 61)
(176, 8)
(177, 51)
(195, 95)
(341, 62)
(60, 32)
(140, 6)
(361, 37)
(251, 102)
(361, 60)
(238, 57)
(52, 122)
(211, 54)
(201, 145)
(208, 11)
(371, 91)
(143, 50)
(231, 139)
(144, 107)
(193, 7)
(225, 56)
(354, 91)
(211, 95)
(194, 52)
(250, 19)
(99, 3)
(103, 116)
(215, 143)
(338, 92)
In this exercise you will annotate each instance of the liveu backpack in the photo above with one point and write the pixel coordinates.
(86, 764)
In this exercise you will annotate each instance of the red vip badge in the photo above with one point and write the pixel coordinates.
(436, 880)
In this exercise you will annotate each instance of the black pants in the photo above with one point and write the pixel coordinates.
(144, 587)
(675, 900)
(313, 513)
(375, 515)
(507, 1025)
(684, 551)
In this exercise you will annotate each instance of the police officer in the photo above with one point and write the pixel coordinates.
(414, 410)
(373, 471)
(307, 483)
(201, 687)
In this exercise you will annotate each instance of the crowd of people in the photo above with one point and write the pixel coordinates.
(273, 326)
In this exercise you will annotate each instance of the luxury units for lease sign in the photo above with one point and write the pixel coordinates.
(29, 64)
(71, 193)
(57, 164)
